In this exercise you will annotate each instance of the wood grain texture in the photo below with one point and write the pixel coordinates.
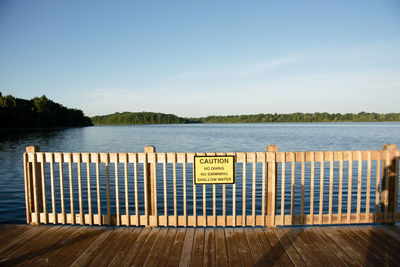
(137, 246)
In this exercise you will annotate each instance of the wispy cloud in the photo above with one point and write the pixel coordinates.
(224, 76)
(257, 69)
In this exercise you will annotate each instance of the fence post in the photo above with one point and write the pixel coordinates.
(150, 181)
(271, 182)
(34, 179)
(389, 178)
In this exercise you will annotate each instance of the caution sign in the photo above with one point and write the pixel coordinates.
(214, 169)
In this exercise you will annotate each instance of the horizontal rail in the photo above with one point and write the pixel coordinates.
(193, 221)
(157, 189)
(189, 157)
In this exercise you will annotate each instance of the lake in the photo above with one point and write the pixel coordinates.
(179, 138)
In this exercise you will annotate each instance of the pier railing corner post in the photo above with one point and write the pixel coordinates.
(389, 181)
(34, 186)
(150, 180)
(272, 177)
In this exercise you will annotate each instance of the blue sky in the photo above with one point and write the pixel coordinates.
(205, 57)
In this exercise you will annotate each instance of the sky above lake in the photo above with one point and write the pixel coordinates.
(198, 58)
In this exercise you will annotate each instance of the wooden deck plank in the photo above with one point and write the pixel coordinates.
(157, 248)
(126, 244)
(389, 231)
(326, 251)
(51, 247)
(368, 244)
(335, 247)
(353, 245)
(254, 246)
(134, 250)
(86, 255)
(209, 247)
(220, 246)
(243, 246)
(317, 249)
(387, 236)
(379, 241)
(187, 248)
(291, 245)
(168, 244)
(371, 258)
(270, 258)
(345, 245)
(145, 248)
(9, 232)
(313, 248)
(106, 252)
(31, 234)
(176, 250)
(306, 251)
(231, 245)
(283, 257)
(36, 247)
(74, 246)
(198, 248)
(30, 245)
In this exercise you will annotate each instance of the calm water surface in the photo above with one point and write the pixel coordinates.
(179, 138)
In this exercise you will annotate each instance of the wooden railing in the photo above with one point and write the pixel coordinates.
(157, 189)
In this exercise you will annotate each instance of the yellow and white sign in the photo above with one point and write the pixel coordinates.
(214, 169)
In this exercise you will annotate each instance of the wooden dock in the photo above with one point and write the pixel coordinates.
(57, 245)
(179, 227)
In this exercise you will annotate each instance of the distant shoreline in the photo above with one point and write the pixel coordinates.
(39, 128)
(200, 123)
(144, 118)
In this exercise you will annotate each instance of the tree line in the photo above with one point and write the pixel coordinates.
(43, 112)
(138, 118)
(301, 117)
(160, 118)
(38, 112)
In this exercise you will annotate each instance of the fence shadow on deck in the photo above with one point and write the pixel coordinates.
(53, 246)
(278, 251)
(382, 249)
